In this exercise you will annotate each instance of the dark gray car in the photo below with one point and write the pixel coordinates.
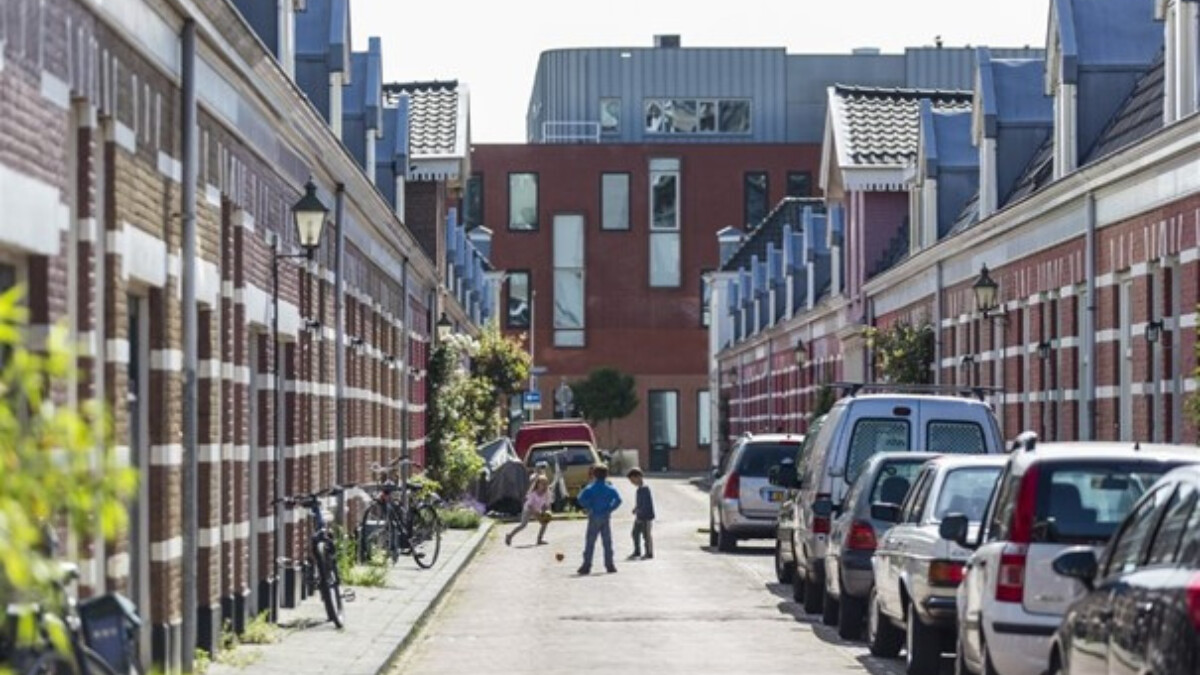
(885, 478)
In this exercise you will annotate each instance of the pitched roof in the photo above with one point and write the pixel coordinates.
(1139, 116)
(786, 212)
(436, 115)
(880, 127)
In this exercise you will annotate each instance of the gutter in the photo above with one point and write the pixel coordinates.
(1089, 322)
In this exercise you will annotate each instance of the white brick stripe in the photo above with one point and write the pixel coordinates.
(87, 230)
(116, 350)
(166, 455)
(213, 196)
(266, 524)
(1107, 392)
(1189, 255)
(167, 359)
(118, 566)
(1188, 320)
(209, 370)
(208, 537)
(166, 551)
(208, 454)
(1108, 335)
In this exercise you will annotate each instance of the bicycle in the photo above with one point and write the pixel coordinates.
(397, 524)
(321, 572)
(95, 645)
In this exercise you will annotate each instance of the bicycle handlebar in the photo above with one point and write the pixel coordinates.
(307, 499)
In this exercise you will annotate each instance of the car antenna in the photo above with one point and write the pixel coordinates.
(1137, 445)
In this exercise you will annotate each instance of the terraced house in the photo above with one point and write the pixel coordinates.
(1045, 223)
(150, 157)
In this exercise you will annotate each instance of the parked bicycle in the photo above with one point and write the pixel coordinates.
(321, 572)
(398, 521)
(100, 634)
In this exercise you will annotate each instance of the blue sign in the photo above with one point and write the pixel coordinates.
(533, 400)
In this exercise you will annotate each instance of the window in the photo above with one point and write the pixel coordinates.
(1126, 552)
(1002, 505)
(614, 201)
(692, 116)
(1170, 532)
(664, 223)
(914, 499)
(758, 458)
(705, 298)
(1087, 502)
(966, 491)
(664, 418)
(754, 198)
(519, 308)
(473, 201)
(893, 482)
(704, 418)
(875, 435)
(610, 115)
(568, 281)
(799, 184)
(522, 201)
(962, 438)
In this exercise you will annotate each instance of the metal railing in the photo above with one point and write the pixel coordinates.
(570, 132)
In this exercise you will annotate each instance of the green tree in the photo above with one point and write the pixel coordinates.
(503, 363)
(58, 470)
(462, 413)
(605, 395)
(903, 352)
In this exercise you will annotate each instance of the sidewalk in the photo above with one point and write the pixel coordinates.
(378, 622)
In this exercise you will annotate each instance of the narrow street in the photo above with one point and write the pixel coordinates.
(690, 610)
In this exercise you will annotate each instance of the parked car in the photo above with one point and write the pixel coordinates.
(742, 504)
(857, 427)
(551, 431)
(885, 479)
(573, 461)
(1141, 612)
(1048, 498)
(917, 573)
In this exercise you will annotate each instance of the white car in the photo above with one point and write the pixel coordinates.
(1050, 497)
(917, 573)
(742, 503)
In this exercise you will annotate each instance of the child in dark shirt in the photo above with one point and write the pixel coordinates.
(643, 513)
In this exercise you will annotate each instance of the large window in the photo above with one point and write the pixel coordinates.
(664, 223)
(522, 201)
(614, 201)
(473, 202)
(664, 418)
(754, 198)
(519, 300)
(697, 116)
(703, 418)
(568, 281)
(610, 115)
(799, 184)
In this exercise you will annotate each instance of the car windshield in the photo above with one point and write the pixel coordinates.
(1084, 503)
(966, 491)
(758, 458)
(568, 455)
(894, 480)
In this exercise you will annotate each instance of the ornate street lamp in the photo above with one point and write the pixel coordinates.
(986, 290)
(1044, 348)
(309, 216)
(1154, 331)
(444, 326)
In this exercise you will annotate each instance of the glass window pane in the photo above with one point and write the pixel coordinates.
(664, 200)
(966, 491)
(707, 115)
(964, 438)
(1087, 502)
(875, 435)
(683, 116)
(473, 201)
(755, 198)
(664, 418)
(664, 259)
(1170, 532)
(568, 241)
(704, 418)
(705, 299)
(799, 184)
(568, 338)
(614, 201)
(1125, 552)
(657, 118)
(522, 201)
(568, 298)
(735, 116)
(518, 299)
(610, 115)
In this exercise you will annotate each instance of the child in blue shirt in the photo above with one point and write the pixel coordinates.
(599, 499)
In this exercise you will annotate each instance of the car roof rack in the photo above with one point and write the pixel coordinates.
(853, 389)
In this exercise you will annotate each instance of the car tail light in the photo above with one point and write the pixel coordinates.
(733, 486)
(821, 524)
(862, 537)
(945, 572)
(1021, 530)
(1193, 600)
(1010, 577)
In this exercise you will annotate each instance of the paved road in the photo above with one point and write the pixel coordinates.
(691, 610)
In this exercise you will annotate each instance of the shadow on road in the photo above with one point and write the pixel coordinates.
(741, 550)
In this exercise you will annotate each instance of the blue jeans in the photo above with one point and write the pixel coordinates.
(598, 526)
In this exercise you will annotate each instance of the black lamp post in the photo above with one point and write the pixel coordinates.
(1154, 331)
(308, 217)
(985, 289)
(444, 326)
(1044, 349)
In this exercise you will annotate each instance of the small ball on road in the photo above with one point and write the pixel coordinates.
(559, 557)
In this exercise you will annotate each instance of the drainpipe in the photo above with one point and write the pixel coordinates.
(190, 463)
(339, 357)
(406, 365)
(937, 322)
(1088, 385)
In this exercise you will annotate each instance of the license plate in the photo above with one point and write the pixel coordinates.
(775, 496)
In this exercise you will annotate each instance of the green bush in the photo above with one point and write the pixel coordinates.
(372, 574)
(460, 518)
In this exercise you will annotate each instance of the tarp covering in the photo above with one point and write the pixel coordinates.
(505, 479)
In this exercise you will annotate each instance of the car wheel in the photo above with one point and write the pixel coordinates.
(960, 663)
(922, 646)
(783, 571)
(726, 542)
(850, 617)
(829, 610)
(814, 596)
(797, 586)
(1055, 663)
(883, 639)
(712, 531)
(989, 668)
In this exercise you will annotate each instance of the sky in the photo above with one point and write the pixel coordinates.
(492, 46)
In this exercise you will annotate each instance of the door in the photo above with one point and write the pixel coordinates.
(664, 428)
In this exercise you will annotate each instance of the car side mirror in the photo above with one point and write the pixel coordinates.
(1078, 562)
(888, 513)
(955, 527)
(822, 508)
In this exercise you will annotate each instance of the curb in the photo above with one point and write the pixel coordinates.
(472, 549)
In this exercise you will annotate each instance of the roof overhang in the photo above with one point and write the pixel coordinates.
(861, 178)
(436, 168)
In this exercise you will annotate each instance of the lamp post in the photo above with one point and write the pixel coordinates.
(1154, 331)
(308, 216)
(985, 289)
(444, 327)
(1044, 349)
(800, 353)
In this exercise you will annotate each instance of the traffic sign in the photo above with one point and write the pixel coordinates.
(533, 400)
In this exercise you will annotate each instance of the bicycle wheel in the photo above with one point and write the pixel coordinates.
(425, 536)
(47, 663)
(94, 664)
(328, 581)
(376, 533)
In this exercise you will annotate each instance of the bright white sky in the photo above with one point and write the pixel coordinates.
(493, 45)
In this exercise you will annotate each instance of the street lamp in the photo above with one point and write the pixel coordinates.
(1154, 331)
(308, 217)
(967, 360)
(800, 352)
(985, 289)
(444, 326)
(1044, 348)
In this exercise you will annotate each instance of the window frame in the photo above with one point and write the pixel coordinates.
(628, 202)
(787, 185)
(469, 222)
(537, 201)
(581, 330)
(650, 397)
(528, 298)
(600, 114)
(697, 102)
(703, 432)
(766, 196)
(671, 166)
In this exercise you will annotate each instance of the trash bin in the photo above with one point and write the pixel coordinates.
(660, 457)
(110, 628)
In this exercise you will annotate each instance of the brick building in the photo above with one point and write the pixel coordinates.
(1071, 178)
(92, 170)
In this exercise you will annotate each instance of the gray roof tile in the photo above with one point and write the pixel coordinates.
(432, 115)
(882, 126)
(1140, 115)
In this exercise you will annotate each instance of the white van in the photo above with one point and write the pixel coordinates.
(857, 427)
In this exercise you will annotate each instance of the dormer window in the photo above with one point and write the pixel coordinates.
(1181, 33)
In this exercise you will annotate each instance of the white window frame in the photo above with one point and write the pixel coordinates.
(570, 335)
(669, 167)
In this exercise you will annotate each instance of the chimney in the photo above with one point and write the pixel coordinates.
(666, 41)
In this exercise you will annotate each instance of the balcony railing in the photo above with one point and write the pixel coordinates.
(570, 132)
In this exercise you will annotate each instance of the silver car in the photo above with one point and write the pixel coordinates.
(742, 503)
